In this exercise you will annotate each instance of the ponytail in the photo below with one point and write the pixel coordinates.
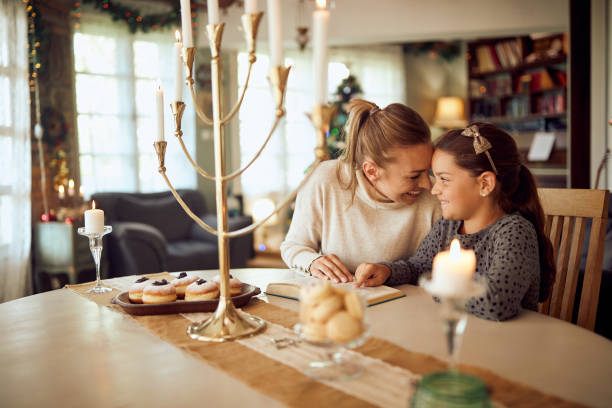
(525, 200)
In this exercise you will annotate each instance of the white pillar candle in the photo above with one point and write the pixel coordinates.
(186, 23)
(61, 192)
(94, 219)
(453, 270)
(320, 22)
(159, 97)
(250, 6)
(213, 11)
(70, 188)
(178, 74)
(275, 33)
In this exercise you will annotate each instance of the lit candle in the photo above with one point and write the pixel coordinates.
(70, 188)
(213, 11)
(81, 192)
(250, 6)
(61, 192)
(453, 270)
(275, 33)
(320, 21)
(178, 77)
(159, 96)
(94, 219)
(186, 23)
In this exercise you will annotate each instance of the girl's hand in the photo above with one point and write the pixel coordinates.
(331, 268)
(368, 274)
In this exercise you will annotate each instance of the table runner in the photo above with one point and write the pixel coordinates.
(289, 385)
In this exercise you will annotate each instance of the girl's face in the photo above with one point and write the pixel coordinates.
(456, 188)
(406, 174)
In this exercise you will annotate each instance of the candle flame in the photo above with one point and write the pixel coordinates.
(71, 183)
(455, 250)
(321, 3)
(93, 204)
(177, 35)
(61, 188)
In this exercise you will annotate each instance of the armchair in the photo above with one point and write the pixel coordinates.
(152, 233)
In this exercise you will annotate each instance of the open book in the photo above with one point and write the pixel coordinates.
(291, 289)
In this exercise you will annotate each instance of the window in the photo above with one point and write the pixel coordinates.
(15, 179)
(284, 162)
(116, 77)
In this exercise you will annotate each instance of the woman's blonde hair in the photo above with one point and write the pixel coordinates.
(371, 132)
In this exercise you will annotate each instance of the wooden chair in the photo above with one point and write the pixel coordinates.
(567, 211)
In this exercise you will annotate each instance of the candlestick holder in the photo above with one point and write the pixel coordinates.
(226, 323)
(452, 388)
(95, 246)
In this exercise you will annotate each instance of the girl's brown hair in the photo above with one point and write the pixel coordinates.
(516, 189)
(371, 132)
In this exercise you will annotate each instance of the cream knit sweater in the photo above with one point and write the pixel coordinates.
(371, 229)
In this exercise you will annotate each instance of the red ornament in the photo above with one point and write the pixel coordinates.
(105, 5)
(77, 4)
(68, 220)
(154, 26)
(139, 19)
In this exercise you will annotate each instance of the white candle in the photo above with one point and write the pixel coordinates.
(250, 6)
(186, 23)
(275, 33)
(70, 188)
(159, 97)
(213, 11)
(61, 193)
(320, 22)
(453, 270)
(38, 131)
(178, 74)
(94, 219)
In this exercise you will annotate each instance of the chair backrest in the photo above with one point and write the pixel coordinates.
(567, 212)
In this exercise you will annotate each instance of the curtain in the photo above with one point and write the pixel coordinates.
(15, 155)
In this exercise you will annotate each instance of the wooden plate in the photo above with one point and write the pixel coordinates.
(182, 306)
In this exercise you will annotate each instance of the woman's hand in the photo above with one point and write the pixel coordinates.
(368, 274)
(331, 268)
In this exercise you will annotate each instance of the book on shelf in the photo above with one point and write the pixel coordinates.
(291, 289)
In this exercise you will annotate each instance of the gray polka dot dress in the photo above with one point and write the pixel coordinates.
(506, 254)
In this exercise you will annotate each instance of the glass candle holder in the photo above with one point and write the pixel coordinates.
(452, 388)
(95, 246)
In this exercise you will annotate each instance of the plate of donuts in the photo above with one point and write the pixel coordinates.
(182, 295)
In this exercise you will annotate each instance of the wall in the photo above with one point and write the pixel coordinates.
(383, 21)
(56, 84)
(430, 77)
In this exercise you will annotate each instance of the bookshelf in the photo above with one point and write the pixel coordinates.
(520, 84)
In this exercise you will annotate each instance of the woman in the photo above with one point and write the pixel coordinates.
(490, 203)
(371, 203)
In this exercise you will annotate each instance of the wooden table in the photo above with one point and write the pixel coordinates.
(60, 349)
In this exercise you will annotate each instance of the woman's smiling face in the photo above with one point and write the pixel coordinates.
(456, 188)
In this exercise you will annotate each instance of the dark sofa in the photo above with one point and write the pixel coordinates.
(152, 233)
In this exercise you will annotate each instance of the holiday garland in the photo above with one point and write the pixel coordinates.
(134, 18)
(36, 37)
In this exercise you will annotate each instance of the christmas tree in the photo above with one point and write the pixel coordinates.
(348, 89)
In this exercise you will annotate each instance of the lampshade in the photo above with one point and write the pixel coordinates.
(450, 112)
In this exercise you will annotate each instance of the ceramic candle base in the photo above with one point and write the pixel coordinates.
(95, 246)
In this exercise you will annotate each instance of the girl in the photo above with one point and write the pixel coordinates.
(490, 203)
(373, 202)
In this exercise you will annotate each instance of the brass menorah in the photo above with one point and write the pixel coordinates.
(227, 323)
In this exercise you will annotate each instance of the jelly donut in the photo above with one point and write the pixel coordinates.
(159, 292)
(135, 293)
(201, 290)
(181, 282)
